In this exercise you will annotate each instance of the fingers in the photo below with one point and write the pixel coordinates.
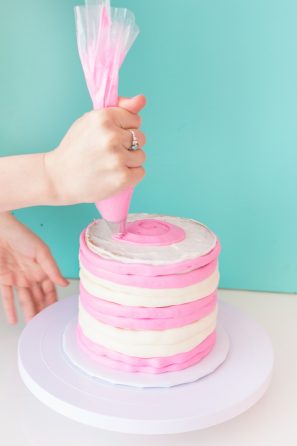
(135, 158)
(43, 294)
(38, 296)
(124, 119)
(49, 266)
(27, 303)
(8, 304)
(49, 290)
(133, 105)
(14, 278)
(136, 175)
(32, 300)
(127, 138)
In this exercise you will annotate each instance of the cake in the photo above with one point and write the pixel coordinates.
(148, 299)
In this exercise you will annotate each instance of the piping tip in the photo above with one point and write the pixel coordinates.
(116, 227)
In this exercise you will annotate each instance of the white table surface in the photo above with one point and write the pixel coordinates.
(272, 421)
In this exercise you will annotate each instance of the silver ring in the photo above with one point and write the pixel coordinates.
(134, 143)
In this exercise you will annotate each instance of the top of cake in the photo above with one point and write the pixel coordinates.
(153, 240)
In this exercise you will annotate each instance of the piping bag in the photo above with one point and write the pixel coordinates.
(104, 37)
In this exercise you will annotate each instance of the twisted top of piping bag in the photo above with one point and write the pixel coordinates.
(104, 37)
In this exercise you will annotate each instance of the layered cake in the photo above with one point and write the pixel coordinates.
(148, 299)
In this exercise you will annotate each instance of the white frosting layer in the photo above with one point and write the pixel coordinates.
(199, 240)
(147, 297)
(147, 343)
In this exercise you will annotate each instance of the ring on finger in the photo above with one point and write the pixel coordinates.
(134, 143)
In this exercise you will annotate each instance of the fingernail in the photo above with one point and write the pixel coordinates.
(66, 282)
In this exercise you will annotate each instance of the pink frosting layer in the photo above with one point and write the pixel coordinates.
(95, 263)
(124, 363)
(178, 280)
(146, 318)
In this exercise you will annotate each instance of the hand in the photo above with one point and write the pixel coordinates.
(27, 265)
(93, 161)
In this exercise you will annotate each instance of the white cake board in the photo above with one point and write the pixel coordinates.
(230, 390)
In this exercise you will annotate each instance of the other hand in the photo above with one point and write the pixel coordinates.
(27, 266)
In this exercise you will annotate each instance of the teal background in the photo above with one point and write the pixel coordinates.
(220, 77)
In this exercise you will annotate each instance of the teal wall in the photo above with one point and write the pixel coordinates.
(221, 120)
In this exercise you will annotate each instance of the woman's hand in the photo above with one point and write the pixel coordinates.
(93, 160)
(26, 265)
(91, 163)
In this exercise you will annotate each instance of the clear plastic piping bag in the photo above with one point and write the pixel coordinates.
(104, 37)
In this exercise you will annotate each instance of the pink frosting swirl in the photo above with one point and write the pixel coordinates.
(96, 264)
(146, 318)
(124, 363)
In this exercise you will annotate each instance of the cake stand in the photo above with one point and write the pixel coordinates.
(230, 390)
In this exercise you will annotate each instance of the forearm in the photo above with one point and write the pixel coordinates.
(24, 182)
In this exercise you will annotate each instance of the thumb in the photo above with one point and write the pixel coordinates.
(133, 105)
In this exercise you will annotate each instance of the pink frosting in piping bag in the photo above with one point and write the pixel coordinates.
(104, 36)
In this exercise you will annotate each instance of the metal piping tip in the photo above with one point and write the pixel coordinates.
(116, 227)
